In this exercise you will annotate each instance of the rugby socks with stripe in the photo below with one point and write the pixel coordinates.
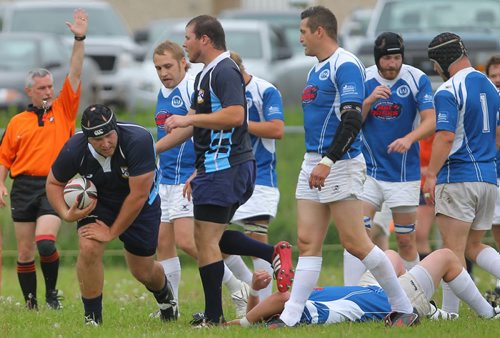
(26, 274)
(306, 276)
(49, 260)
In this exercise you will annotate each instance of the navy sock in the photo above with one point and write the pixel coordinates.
(93, 308)
(237, 243)
(211, 277)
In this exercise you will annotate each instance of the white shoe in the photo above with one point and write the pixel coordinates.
(240, 299)
(439, 314)
(497, 313)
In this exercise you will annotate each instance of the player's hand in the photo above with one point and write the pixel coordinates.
(3, 194)
(177, 121)
(74, 213)
(79, 26)
(318, 176)
(261, 279)
(429, 189)
(380, 92)
(97, 231)
(400, 145)
(187, 191)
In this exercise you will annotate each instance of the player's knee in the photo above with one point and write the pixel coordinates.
(46, 247)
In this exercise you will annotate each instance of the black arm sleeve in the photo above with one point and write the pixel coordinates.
(348, 129)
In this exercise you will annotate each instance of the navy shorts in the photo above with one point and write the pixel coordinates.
(223, 190)
(28, 199)
(141, 237)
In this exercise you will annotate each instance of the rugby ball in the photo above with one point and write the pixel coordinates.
(81, 190)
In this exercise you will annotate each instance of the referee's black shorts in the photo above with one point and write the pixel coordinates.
(28, 199)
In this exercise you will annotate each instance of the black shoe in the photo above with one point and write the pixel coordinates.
(493, 297)
(168, 308)
(399, 319)
(199, 321)
(53, 298)
(31, 302)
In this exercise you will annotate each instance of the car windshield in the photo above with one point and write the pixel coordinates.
(246, 43)
(17, 54)
(440, 15)
(105, 22)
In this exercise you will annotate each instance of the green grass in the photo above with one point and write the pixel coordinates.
(127, 305)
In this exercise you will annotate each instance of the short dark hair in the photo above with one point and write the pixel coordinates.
(321, 16)
(211, 27)
(494, 60)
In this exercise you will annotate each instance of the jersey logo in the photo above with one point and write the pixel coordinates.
(309, 94)
(349, 89)
(442, 117)
(176, 101)
(124, 171)
(249, 102)
(386, 110)
(161, 117)
(403, 91)
(201, 96)
(324, 74)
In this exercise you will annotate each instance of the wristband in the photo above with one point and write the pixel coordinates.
(80, 38)
(326, 161)
(244, 322)
(253, 293)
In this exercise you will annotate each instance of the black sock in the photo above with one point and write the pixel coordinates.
(50, 269)
(162, 294)
(26, 273)
(211, 277)
(237, 243)
(421, 256)
(93, 308)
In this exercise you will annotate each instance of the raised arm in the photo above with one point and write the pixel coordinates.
(79, 28)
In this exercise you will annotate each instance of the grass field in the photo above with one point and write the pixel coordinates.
(127, 305)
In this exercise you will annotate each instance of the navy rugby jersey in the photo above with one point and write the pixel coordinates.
(219, 85)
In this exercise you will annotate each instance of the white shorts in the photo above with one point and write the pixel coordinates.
(264, 201)
(345, 180)
(471, 202)
(173, 204)
(411, 287)
(496, 216)
(393, 194)
(383, 219)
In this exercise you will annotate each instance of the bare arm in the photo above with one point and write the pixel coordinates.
(274, 129)
(226, 118)
(79, 29)
(441, 147)
(426, 128)
(3, 189)
(173, 138)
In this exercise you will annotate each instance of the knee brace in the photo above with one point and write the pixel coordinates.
(404, 228)
(46, 246)
(256, 228)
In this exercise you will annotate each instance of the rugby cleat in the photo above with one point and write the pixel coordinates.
(283, 266)
(31, 302)
(400, 319)
(439, 314)
(240, 300)
(53, 299)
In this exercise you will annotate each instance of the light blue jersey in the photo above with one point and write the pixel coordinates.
(393, 118)
(467, 105)
(335, 304)
(330, 83)
(264, 104)
(176, 164)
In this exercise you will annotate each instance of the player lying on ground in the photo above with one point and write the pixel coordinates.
(335, 304)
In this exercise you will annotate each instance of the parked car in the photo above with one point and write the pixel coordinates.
(109, 43)
(354, 28)
(261, 46)
(21, 52)
(478, 23)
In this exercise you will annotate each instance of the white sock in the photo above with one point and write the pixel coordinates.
(463, 286)
(230, 281)
(306, 276)
(411, 264)
(239, 268)
(172, 269)
(489, 260)
(353, 269)
(260, 264)
(451, 303)
(381, 268)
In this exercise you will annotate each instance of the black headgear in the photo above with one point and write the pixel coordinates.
(445, 49)
(98, 120)
(388, 43)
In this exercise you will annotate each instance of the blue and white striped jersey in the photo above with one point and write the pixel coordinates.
(264, 104)
(468, 105)
(393, 118)
(336, 304)
(176, 164)
(330, 83)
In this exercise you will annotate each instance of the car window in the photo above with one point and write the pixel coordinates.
(105, 22)
(17, 54)
(52, 53)
(432, 15)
